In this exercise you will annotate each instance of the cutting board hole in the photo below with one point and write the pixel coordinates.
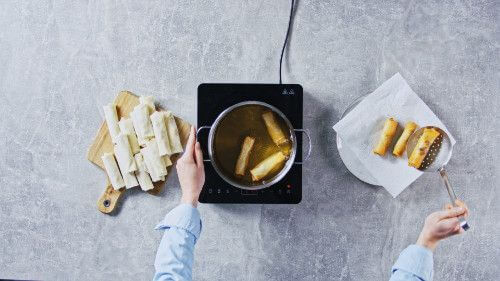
(106, 203)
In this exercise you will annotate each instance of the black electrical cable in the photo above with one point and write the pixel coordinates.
(286, 37)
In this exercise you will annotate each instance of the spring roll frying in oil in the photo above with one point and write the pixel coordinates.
(400, 146)
(385, 139)
(244, 157)
(275, 131)
(267, 166)
(422, 148)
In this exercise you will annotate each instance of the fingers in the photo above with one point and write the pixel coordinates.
(458, 203)
(451, 226)
(451, 213)
(461, 203)
(450, 223)
(457, 230)
(188, 153)
(198, 155)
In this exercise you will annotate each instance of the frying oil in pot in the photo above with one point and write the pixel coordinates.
(232, 130)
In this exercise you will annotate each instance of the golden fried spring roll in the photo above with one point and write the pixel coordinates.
(267, 165)
(273, 128)
(242, 163)
(422, 147)
(385, 139)
(400, 146)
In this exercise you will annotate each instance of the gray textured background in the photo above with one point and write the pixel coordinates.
(60, 61)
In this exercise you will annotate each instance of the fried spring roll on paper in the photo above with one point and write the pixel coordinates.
(400, 146)
(422, 147)
(385, 139)
(267, 165)
(242, 163)
(274, 129)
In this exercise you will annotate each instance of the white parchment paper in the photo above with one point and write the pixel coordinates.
(361, 128)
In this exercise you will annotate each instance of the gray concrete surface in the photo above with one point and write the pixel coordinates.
(60, 61)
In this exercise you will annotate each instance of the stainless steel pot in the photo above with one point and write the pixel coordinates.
(284, 170)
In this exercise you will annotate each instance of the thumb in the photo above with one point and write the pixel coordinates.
(188, 152)
(198, 155)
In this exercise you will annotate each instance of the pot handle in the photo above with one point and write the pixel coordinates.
(305, 132)
(197, 132)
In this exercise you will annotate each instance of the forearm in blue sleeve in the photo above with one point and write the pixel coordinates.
(175, 255)
(415, 263)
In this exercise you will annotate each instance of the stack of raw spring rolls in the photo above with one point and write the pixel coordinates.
(143, 145)
(421, 149)
(269, 164)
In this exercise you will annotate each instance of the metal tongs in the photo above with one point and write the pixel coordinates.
(435, 161)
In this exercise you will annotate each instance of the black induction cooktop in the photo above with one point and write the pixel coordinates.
(215, 98)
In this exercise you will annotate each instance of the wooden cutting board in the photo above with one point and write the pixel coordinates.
(125, 101)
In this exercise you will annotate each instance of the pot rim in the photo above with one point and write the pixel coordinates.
(279, 176)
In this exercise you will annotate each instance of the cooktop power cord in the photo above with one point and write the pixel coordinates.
(286, 37)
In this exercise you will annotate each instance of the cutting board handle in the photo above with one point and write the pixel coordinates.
(109, 199)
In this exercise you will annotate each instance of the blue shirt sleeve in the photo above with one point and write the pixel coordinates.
(174, 258)
(415, 263)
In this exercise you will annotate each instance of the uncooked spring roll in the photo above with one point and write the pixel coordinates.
(124, 154)
(142, 173)
(161, 135)
(127, 127)
(154, 162)
(267, 166)
(112, 120)
(173, 133)
(112, 170)
(142, 123)
(400, 146)
(149, 101)
(422, 147)
(244, 157)
(126, 160)
(167, 160)
(273, 128)
(385, 139)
